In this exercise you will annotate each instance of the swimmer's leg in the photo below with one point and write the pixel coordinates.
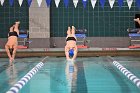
(73, 32)
(69, 31)
(8, 52)
(14, 52)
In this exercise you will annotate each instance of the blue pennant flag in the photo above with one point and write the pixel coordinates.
(29, 2)
(84, 3)
(11, 2)
(66, 2)
(48, 2)
(102, 2)
(120, 2)
(138, 3)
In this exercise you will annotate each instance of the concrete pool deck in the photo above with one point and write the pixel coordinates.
(32, 52)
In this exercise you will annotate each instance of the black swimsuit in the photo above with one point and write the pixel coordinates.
(14, 33)
(70, 38)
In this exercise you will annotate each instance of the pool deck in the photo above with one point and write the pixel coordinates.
(34, 52)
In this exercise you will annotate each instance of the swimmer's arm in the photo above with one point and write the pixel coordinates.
(67, 53)
(75, 53)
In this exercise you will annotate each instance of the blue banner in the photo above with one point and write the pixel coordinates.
(120, 3)
(11, 2)
(48, 2)
(84, 3)
(138, 3)
(102, 2)
(29, 2)
(66, 2)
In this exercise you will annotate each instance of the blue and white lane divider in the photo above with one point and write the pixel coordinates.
(128, 74)
(26, 78)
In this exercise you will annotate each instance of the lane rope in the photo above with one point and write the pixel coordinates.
(26, 78)
(128, 74)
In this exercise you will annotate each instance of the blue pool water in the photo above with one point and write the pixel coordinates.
(85, 75)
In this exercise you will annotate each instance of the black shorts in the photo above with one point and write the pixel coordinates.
(71, 38)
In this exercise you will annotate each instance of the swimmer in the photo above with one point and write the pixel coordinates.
(137, 30)
(11, 45)
(138, 21)
(71, 43)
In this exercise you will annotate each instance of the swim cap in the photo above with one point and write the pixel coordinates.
(71, 52)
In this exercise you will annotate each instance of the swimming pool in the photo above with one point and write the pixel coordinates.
(86, 75)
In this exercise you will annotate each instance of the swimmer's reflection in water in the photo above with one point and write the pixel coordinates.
(12, 74)
(71, 74)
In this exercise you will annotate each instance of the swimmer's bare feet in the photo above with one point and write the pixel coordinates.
(18, 22)
(69, 28)
(73, 27)
(137, 19)
(128, 30)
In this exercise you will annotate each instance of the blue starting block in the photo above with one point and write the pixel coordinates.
(80, 35)
(134, 35)
(134, 38)
(23, 37)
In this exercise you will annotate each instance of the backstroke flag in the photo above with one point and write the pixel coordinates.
(93, 2)
(29, 2)
(48, 2)
(138, 3)
(111, 3)
(84, 3)
(75, 2)
(20, 2)
(129, 2)
(39, 2)
(11, 2)
(102, 2)
(2, 1)
(66, 2)
(57, 3)
(120, 3)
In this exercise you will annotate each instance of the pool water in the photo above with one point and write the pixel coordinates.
(85, 75)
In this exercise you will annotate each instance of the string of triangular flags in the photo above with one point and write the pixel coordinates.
(75, 2)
